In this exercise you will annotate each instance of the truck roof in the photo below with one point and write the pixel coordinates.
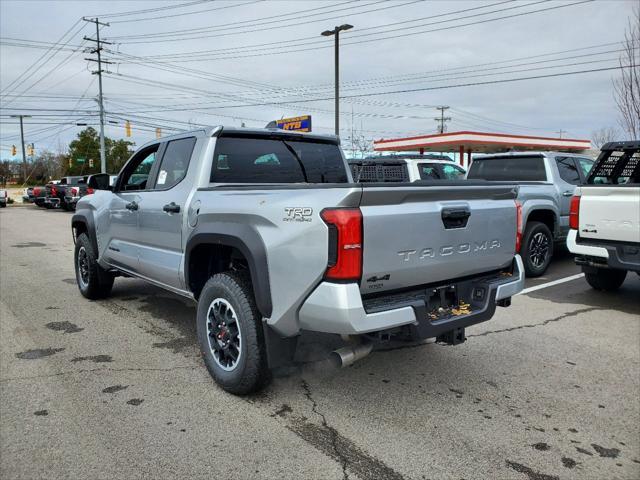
(221, 131)
(533, 153)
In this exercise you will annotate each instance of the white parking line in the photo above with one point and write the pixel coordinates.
(551, 284)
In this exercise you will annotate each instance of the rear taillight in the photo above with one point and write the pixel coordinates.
(54, 191)
(345, 243)
(74, 192)
(90, 191)
(36, 191)
(518, 226)
(574, 213)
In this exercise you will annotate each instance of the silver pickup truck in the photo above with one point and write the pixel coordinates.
(266, 230)
(547, 181)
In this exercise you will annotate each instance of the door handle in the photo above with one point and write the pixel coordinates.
(568, 193)
(171, 208)
(131, 206)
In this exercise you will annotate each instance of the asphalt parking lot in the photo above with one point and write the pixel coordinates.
(548, 389)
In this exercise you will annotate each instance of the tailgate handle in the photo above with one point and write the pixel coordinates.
(455, 217)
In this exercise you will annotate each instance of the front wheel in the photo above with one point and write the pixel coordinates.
(93, 281)
(230, 334)
(605, 279)
(537, 248)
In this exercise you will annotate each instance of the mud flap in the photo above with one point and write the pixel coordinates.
(280, 351)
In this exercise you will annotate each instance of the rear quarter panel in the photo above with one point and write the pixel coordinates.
(296, 244)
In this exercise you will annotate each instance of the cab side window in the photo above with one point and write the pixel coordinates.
(451, 172)
(568, 170)
(585, 165)
(137, 171)
(428, 172)
(175, 162)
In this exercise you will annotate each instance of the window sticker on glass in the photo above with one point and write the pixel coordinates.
(162, 177)
(223, 162)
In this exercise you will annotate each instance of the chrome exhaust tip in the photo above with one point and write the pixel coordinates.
(345, 356)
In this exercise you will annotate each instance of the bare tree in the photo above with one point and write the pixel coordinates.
(627, 87)
(604, 135)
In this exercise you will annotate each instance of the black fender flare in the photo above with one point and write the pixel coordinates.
(249, 242)
(84, 217)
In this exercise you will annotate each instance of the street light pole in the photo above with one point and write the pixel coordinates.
(336, 33)
(24, 156)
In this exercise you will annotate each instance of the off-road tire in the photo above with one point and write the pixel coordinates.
(605, 279)
(98, 282)
(251, 372)
(532, 230)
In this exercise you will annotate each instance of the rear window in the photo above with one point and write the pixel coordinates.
(519, 169)
(259, 160)
(374, 172)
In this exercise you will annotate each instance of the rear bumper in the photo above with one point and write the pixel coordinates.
(596, 254)
(339, 308)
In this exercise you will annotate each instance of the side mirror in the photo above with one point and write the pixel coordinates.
(99, 181)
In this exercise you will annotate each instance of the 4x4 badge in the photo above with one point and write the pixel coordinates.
(379, 279)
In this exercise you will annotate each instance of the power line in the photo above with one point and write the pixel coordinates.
(442, 87)
(150, 10)
(231, 25)
(315, 39)
(177, 34)
(53, 50)
(137, 20)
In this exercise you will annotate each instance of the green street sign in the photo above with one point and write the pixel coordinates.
(81, 160)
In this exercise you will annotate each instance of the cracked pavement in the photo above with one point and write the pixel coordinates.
(546, 390)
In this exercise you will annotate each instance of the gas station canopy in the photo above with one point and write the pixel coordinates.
(478, 142)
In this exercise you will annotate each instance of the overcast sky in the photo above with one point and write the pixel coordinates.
(271, 53)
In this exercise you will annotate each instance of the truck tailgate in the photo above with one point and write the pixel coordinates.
(610, 213)
(415, 235)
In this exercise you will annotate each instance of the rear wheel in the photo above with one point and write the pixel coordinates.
(537, 248)
(230, 334)
(93, 281)
(605, 279)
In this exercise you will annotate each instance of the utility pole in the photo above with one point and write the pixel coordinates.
(560, 132)
(98, 50)
(24, 156)
(336, 33)
(442, 119)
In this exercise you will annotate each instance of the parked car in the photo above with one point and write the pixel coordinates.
(27, 196)
(547, 181)
(267, 232)
(605, 217)
(40, 194)
(73, 193)
(405, 168)
(56, 193)
(4, 196)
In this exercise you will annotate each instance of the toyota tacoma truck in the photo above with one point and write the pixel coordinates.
(267, 231)
(547, 181)
(605, 217)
